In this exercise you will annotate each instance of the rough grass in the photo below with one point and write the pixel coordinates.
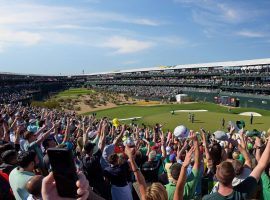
(208, 120)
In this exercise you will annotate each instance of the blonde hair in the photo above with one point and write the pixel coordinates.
(156, 191)
(235, 155)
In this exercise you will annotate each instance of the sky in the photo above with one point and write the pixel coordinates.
(71, 36)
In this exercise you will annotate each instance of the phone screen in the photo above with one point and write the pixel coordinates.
(64, 171)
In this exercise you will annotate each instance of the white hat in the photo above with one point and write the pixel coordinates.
(168, 150)
(181, 132)
(32, 121)
(91, 134)
(221, 135)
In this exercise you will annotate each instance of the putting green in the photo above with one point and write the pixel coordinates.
(211, 120)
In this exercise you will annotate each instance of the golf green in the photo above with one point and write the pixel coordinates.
(210, 120)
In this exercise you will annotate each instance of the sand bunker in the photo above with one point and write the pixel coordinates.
(249, 114)
(190, 111)
(131, 118)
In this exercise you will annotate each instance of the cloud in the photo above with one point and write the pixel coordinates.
(251, 34)
(171, 40)
(146, 22)
(123, 45)
(32, 23)
(21, 14)
(221, 17)
(19, 37)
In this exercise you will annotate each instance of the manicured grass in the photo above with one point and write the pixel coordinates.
(210, 120)
(75, 92)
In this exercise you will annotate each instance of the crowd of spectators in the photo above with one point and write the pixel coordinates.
(246, 84)
(241, 79)
(122, 161)
(16, 88)
(163, 81)
(14, 96)
(143, 91)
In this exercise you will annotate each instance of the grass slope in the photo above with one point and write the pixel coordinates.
(209, 120)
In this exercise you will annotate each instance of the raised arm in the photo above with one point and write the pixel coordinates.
(205, 143)
(243, 149)
(180, 150)
(197, 151)
(138, 175)
(45, 135)
(263, 162)
(6, 132)
(101, 143)
(40, 130)
(119, 137)
(163, 145)
(179, 190)
(67, 131)
(14, 123)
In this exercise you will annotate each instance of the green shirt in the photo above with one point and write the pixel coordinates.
(18, 180)
(265, 192)
(189, 188)
(244, 190)
(241, 159)
(143, 150)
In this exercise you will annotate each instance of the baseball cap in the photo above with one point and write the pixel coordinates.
(252, 133)
(32, 128)
(129, 142)
(168, 150)
(221, 135)
(240, 124)
(172, 157)
(155, 148)
(92, 134)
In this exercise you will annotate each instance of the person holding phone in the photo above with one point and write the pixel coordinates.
(49, 190)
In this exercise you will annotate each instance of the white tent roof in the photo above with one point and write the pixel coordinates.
(198, 65)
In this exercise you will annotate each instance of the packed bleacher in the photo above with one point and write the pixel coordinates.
(238, 79)
(24, 88)
(121, 161)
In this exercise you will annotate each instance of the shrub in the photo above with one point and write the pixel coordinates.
(52, 104)
(61, 100)
(77, 108)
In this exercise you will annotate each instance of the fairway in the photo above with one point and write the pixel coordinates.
(210, 120)
(75, 92)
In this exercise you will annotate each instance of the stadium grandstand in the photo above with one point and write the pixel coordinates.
(247, 80)
(205, 81)
(26, 87)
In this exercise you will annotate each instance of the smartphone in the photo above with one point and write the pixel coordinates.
(64, 171)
